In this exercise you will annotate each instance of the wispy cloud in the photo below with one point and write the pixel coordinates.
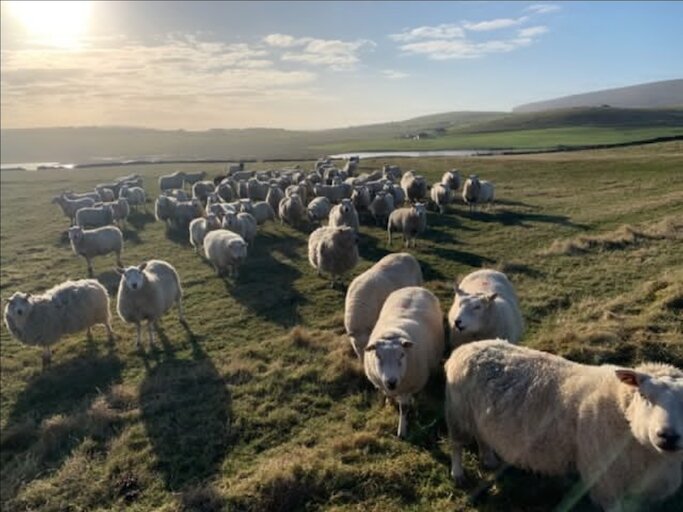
(393, 74)
(444, 31)
(484, 26)
(532, 31)
(463, 49)
(543, 8)
(336, 54)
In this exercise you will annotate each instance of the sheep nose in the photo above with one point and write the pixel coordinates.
(391, 384)
(668, 439)
(458, 325)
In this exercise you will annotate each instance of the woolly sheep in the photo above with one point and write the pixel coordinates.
(476, 191)
(177, 193)
(246, 206)
(174, 180)
(411, 221)
(241, 175)
(225, 191)
(200, 227)
(392, 172)
(70, 307)
(130, 182)
(146, 292)
(485, 306)
(414, 186)
(244, 224)
(319, 209)
(397, 193)
(335, 193)
(95, 217)
(96, 242)
(441, 196)
(85, 195)
(262, 211)
(333, 250)
(164, 208)
(120, 209)
(361, 198)
(275, 195)
(113, 186)
(106, 194)
(405, 346)
(344, 214)
(451, 179)
(134, 195)
(381, 207)
(257, 190)
(202, 189)
(184, 212)
(193, 177)
(71, 206)
(225, 250)
(621, 429)
(368, 291)
(291, 210)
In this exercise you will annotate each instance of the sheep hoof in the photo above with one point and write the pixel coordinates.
(459, 480)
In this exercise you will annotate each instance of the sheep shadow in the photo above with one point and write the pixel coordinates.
(178, 236)
(464, 257)
(138, 219)
(186, 409)
(130, 235)
(523, 219)
(50, 416)
(110, 279)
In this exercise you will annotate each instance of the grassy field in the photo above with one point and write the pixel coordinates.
(262, 406)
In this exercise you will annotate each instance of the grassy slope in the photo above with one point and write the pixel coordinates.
(250, 412)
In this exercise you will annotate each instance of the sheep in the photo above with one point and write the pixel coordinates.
(70, 307)
(262, 211)
(120, 209)
(241, 175)
(344, 214)
(397, 193)
(71, 206)
(291, 210)
(244, 224)
(130, 182)
(146, 292)
(113, 186)
(441, 196)
(225, 191)
(177, 193)
(361, 198)
(414, 186)
(334, 193)
(106, 194)
(225, 250)
(134, 195)
(85, 195)
(350, 167)
(274, 196)
(333, 250)
(319, 209)
(405, 346)
(96, 242)
(451, 179)
(257, 190)
(174, 180)
(193, 177)
(245, 206)
(485, 306)
(392, 172)
(621, 429)
(164, 208)
(377, 185)
(411, 221)
(381, 207)
(476, 191)
(368, 291)
(298, 189)
(95, 217)
(200, 227)
(202, 189)
(364, 178)
(186, 211)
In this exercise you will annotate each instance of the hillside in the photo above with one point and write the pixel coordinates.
(668, 93)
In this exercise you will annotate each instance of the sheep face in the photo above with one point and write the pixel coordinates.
(17, 310)
(133, 277)
(230, 221)
(212, 221)
(75, 234)
(345, 206)
(656, 413)
(390, 362)
(472, 311)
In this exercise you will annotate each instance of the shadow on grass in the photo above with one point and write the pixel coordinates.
(130, 235)
(186, 408)
(523, 219)
(138, 219)
(464, 257)
(178, 235)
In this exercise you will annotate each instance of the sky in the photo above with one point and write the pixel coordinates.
(312, 65)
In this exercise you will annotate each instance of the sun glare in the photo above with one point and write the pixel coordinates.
(60, 24)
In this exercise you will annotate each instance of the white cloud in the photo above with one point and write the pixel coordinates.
(333, 53)
(464, 49)
(280, 40)
(532, 31)
(543, 8)
(483, 26)
(444, 31)
(393, 74)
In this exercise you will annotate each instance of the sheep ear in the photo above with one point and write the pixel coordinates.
(406, 343)
(142, 265)
(371, 348)
(630, 377)
(120, 270)
(456, 288)
(491, 297)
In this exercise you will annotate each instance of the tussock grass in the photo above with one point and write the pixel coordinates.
(262, 405)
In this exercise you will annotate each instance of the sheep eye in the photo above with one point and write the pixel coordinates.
(20, 312)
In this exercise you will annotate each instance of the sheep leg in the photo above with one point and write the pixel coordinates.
(403, 403)
(457, 471)
(118, 259)
(88, 334)
(150, 333)
(137, 338)
(47, 357)
(487, 456)
(90, 270)
(110, 332)
(181, 312)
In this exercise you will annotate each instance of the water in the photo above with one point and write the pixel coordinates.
(33, 166)
(414, 154)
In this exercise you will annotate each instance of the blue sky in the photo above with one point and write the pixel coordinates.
(309, 65)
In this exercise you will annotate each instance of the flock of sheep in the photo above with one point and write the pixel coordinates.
(621, 429)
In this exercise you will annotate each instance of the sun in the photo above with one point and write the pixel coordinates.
(59, 24)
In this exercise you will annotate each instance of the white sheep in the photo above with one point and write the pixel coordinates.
(146, 292)
(89, 195)
(134, 195)
(397, 193)
(485, 306)
(333, 250)
(344, 214)
(257, 190)
(96, 242)
(381, 207)
(451, 179)
(106, 194)
(164, 208)
(392, 172)
(620, 429)
(367, 293)
(225, 250)
(405, 346)
(184, 212)
(319, 209)
(70, 307)
(411, 221)
(244, 224)
(200, 227)
(291, 210)
(71, 206)
(177, 193)
(170, 181)
(414, 186)
(95, 216)
(335, 193)
(225, 190)
(193, 177)
(275, 195)
(262, 211)
(202, 189)
(441, 196)
(361, 198)
(476, 191)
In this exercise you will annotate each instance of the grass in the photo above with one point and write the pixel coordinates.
(261, 404)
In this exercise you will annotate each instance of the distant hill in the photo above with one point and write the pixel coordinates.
(668, 93)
